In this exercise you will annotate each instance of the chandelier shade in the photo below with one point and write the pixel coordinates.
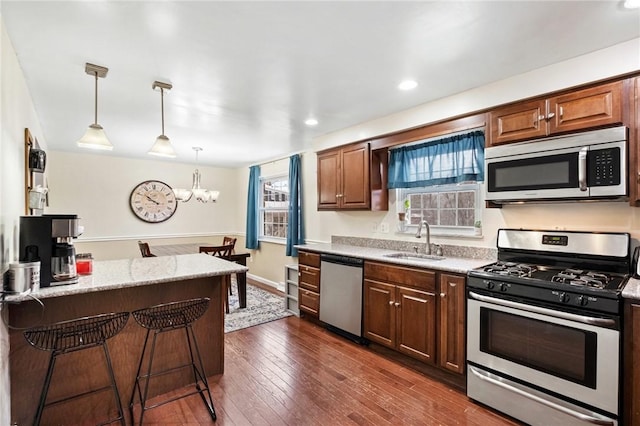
(162, 146)
(200, 194)
(95, 136)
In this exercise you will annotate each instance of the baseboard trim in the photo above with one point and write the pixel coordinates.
(265, 284)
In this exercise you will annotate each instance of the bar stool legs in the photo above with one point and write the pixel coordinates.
(160, 319)
(72, 336)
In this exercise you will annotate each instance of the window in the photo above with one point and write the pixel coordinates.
(437, 180)
(448, 209)
(274, 207)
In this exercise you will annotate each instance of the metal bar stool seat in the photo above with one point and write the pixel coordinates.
(75, 335)
(160, 319)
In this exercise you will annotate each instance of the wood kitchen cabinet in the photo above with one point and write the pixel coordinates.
(343, 178)
(309, 283)
(631, 372)
(452, 323)
(400, 309)
(573, 111)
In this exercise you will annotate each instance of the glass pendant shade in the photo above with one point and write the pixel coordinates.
(183, 195)
(162, 147)
(95, 138)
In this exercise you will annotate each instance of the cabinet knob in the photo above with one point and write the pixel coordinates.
(442, 295)
(397, 304)
(553, 114)
(541, 117)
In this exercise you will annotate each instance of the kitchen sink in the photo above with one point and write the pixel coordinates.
(414, 256)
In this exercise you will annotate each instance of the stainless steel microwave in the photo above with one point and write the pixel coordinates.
(589, 165)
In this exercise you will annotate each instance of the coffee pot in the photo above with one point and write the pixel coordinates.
(49, 239)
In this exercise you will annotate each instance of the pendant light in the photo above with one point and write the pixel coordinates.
(95, 137)
(201, 194)
(162, 147)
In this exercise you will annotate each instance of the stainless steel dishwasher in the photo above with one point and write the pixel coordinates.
(341, 295)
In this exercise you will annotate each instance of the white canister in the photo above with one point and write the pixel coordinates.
(24, 276)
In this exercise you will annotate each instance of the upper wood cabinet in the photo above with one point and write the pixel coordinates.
(343, 178)
(578, 110)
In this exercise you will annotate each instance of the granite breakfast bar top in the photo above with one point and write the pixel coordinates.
(124, 273)
(449, 263)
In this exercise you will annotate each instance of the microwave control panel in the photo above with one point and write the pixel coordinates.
(604, 167)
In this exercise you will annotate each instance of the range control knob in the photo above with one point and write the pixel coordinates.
(503, 287)
(582, 300)
(564, 297)
(490, 284)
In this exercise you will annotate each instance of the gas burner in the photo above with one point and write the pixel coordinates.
(511, 268)
(579, 277)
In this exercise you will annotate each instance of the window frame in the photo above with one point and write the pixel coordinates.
(443, 230)
(263, 210)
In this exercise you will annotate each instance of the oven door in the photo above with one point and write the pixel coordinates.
(570, 355)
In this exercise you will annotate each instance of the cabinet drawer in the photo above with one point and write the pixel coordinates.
(414, 277)
(309, 259)
(309, 278)
(309, 302)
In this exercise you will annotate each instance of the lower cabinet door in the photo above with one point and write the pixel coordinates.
(380, 313)
(309, 302)
(452, 322)
(416, 323)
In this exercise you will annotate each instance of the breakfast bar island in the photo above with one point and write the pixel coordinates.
(115, 286)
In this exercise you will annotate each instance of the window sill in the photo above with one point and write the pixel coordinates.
(442, 234)
(273, 240)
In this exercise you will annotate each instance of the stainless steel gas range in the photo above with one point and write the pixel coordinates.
(543, 327)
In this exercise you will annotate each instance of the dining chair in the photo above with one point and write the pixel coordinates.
(223, 252)
(230, 240)
(144, 249)
(226, 241)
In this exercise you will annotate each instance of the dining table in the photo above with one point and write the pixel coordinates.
(191, 248)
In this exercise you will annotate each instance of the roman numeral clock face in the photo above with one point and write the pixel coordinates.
(153, 201)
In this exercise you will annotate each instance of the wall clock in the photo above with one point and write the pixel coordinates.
(153, 201)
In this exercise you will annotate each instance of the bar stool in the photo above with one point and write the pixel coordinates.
(160, 319)
(75, 335)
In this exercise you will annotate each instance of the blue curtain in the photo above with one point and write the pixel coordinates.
(253, 204)
(453, 159)
(295, 233)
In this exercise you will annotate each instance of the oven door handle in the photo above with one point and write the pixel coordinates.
(600, 322)
(583, 417)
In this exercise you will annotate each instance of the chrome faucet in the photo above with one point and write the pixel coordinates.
(427, 247)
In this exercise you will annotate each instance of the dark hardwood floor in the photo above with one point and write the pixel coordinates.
(293, 372)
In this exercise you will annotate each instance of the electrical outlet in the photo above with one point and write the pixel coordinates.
(384, 227)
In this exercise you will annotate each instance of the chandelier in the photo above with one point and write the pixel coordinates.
(201, 194)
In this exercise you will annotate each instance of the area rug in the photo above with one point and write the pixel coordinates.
(262, 306)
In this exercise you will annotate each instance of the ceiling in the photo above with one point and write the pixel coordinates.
(246, 75)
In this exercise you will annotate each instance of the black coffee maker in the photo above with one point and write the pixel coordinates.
(49, 239)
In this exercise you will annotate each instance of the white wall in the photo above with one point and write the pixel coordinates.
(17, 112)
(607, 216)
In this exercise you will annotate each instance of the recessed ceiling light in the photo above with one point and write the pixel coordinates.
(408, 85)
(311, 122)
(632, 4)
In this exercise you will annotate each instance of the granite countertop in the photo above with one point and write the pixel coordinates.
(122, 273)
(451, 264)
(631, 290)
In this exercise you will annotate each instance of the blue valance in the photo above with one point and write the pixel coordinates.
(453, 159)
